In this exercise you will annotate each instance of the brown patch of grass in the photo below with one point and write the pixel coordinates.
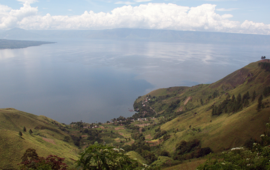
(148, 136)
(143, 125)
(180, 109)
(49, 140)
(118, 128)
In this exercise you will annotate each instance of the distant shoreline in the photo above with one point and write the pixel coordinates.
(16, 44)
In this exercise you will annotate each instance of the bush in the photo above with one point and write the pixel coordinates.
(31, 160)
(160, 134)
(164, 153)
(101, 157)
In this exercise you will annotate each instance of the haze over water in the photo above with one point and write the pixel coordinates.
(97, 80)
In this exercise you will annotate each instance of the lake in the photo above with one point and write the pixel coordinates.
(97, 80)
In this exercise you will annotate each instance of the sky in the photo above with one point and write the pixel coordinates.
(235, 16)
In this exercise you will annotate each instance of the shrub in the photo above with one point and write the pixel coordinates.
(101, 157)
(31, 160)
(164, 153)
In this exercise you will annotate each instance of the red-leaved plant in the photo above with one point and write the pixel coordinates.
(30, 160)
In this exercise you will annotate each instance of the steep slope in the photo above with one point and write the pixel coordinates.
(47, 137)
(186, 113)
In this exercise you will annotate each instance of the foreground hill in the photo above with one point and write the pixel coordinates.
(47, 138)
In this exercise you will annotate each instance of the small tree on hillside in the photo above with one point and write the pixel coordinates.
(24, 129)
(259, 107)
(239, 98)
(30, 131)
(201, 101)
(233, 98)
(253, 95)
(20, 134)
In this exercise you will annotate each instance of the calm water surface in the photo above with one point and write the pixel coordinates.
(98, 80)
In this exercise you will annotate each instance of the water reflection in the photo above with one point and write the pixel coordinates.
(99, 80)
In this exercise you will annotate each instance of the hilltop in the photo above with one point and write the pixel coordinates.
(171, 125)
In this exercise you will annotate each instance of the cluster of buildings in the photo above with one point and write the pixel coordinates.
(145, 101)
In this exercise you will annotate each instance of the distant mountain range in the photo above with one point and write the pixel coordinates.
(136, 34)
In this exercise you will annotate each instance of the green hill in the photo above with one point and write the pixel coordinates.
(47, 137)
(186, 113)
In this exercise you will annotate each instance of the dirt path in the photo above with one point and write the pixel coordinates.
(49, 140)
(187, 100)
(153, 110)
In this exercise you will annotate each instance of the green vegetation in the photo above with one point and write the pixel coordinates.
(255, 156)
(105, 157)
(31, 160)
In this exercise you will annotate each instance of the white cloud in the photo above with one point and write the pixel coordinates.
(255, 28)
(11, 18)
(148, 16)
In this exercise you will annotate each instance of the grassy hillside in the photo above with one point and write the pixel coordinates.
(47, 138)
(185, 113)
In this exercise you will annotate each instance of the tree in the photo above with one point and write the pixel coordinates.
(30, 131)
(31, 161)
(259, 107)
(66, 138)
(233, 98)
(253, 96)
(239, 98)
(201, 102)
(20, 134)
(24, 129)
(101, 157)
